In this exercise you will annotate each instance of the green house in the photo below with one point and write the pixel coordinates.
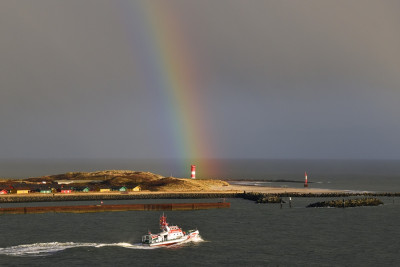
(121, 189)
(84, 189)
(45, 191)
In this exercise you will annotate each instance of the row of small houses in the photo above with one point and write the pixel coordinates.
(65, 189)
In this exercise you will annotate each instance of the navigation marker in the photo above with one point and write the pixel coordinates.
(305, 180)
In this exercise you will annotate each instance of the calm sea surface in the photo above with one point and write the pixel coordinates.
(246, 234)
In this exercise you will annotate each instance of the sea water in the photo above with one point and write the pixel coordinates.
(246, 234)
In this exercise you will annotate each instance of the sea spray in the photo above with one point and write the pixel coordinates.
(45, 249)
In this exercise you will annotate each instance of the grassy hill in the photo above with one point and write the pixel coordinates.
(147, 180)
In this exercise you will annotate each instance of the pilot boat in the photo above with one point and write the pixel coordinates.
(170, 235)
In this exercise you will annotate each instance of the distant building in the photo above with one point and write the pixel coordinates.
(66, 191)
(3, 192)
(119, 188)
(20, 190)
(42, 188)
(136, 188)
(104, 189)
(81, 189)
(45, 191)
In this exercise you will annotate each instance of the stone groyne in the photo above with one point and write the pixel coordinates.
(121, 207)
(258, 197)
(99, 197)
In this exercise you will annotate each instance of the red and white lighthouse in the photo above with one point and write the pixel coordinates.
(193, 171)
(305, 180)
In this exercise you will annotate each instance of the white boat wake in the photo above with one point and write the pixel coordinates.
(45, 249)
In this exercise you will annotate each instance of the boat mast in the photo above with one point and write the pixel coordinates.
(163, 222)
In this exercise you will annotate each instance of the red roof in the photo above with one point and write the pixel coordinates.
(66, 190)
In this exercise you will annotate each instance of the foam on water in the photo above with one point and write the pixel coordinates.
(44, 249)
(195, 239)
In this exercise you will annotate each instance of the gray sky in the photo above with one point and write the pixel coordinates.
(279, 79)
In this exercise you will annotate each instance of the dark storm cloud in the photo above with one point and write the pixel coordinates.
(317, 78)
(280, 78)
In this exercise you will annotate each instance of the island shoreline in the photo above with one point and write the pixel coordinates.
(230, 191)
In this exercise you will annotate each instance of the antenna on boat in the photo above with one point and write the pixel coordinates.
(163, 221)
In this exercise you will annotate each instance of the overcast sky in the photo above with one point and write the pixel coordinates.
(279, 79)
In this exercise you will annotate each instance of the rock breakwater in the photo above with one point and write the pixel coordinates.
(262, 197)
(342, 203)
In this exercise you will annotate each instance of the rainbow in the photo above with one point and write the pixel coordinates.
(169, 67)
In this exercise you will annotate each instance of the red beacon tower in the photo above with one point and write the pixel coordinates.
(193, 171)
(305, 180)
